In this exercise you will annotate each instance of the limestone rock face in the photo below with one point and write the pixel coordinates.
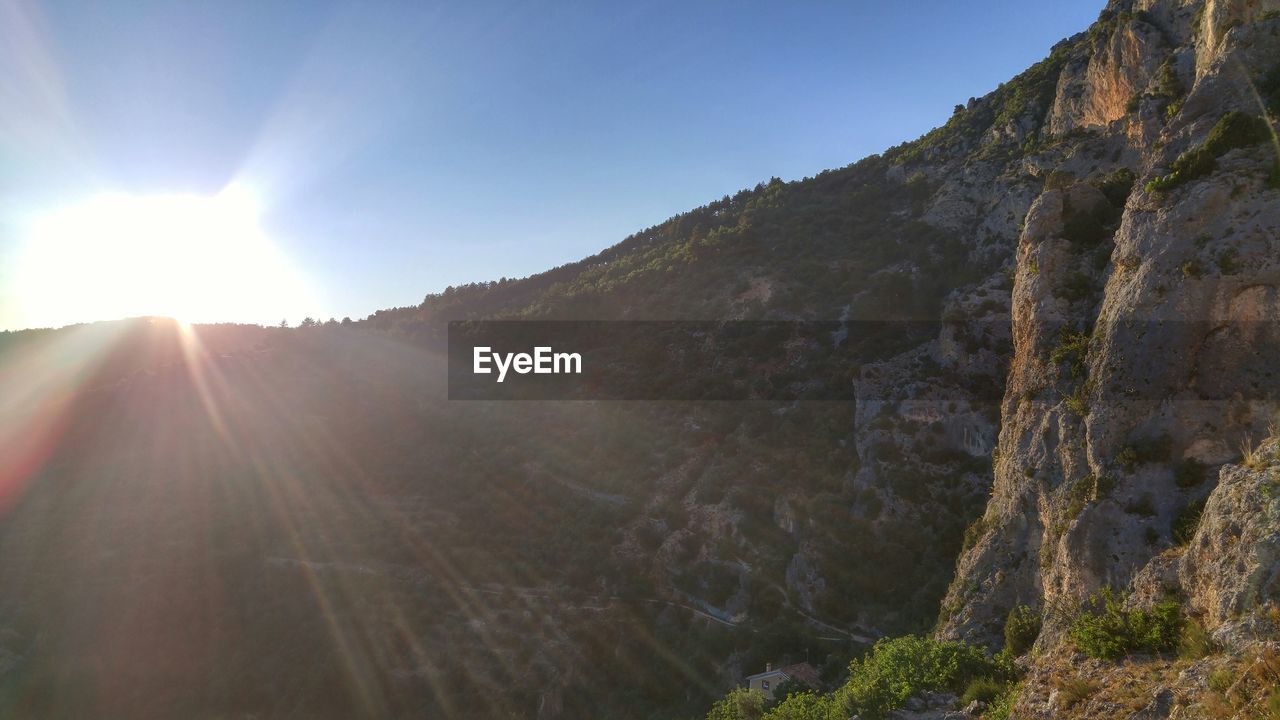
(1146, 336)
(1232, 565)
(1095, 90)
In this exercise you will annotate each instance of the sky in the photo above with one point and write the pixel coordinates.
(386, 150)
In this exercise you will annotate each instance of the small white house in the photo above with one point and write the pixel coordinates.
(767, 681)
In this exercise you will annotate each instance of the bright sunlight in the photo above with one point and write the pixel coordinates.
(194, 258)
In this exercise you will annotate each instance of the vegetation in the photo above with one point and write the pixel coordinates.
(1031, 91)
(879, 683)
(1194, 641)
(1234, 130)
(1186, 522)
(1117, 186)
(1189, 473)
(739, 704)
(1072, 349)
(1001, 708)
(1021, 630)
(983, 690)
(1076, 690)
(1105, 629)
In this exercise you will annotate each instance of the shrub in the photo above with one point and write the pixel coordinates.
(1227, 261)
(1220, 681)
(739, 704)
(1189, 473)
(1078, 495)
(1076, 690)
(1001, 708)
(1142, 506)
(1072, 348)
(806, 706)
(1117, 186)
(1147, 450)
(1170, 83)
(1078, 401)
(1186, 522)
(1234, 130)
(975, 531)
(1105, 629)
(898, 668)
(1194, 641)
(983, 690)
(1021, 630)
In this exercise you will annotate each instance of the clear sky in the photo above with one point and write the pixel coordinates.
(392, 149)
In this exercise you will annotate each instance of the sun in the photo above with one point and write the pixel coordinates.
(191, 257)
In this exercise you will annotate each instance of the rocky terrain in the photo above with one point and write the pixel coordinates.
(1061, 341)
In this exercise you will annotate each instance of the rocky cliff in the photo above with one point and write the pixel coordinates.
(1144, 340)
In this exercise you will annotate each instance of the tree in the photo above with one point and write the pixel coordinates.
(807, 706)
(740, 704)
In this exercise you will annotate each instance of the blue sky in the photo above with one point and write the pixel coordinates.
(398, 148)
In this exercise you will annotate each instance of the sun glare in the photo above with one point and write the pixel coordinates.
(194, 258)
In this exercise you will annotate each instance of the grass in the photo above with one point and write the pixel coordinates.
(983, 690)
(1186, 522)
(1251, 456)
(1220, 681)
(1076, 690)
(1195, 642)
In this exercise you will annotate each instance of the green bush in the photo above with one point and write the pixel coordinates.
(807, 706)
(1237, 130)
(1078, 495)
(880, 682)
(898, 668)
(1021, 630)
(1002, 707)
(1117, 186)
(1170, 83)
(1186, 522)
(739, 704)
(1072, 349)
(1104, 629)
(983, 690)
(1234, 130)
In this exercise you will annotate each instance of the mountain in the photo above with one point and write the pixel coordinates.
(1060, 312)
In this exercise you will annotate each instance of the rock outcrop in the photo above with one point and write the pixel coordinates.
(1145, 334)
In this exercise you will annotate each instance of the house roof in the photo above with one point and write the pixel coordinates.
(804, 672)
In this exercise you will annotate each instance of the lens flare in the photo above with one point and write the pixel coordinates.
(195, 258)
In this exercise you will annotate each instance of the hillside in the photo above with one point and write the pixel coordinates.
(1061, 308)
